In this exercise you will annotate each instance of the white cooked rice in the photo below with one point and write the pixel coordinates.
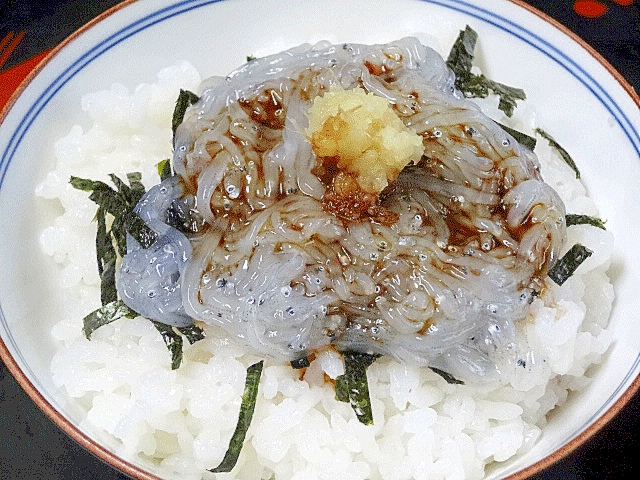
(178, 423)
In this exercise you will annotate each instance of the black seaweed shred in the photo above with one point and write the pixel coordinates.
(460, 61)
(106, 257)
(561, 151)
(353, 387)
(300, 363)
(119, 202)
(247, 407)
(567, 265)
(193, 333)
(184, 101)
(522, 138)
(172, 337)
(104, 315)
(183, 218)
(575, 219)
(447, 376)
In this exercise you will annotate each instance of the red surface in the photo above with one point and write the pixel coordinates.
(11, 78)
(595, 9)
(589, 8)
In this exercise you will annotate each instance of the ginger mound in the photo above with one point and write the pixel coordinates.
(364, 135)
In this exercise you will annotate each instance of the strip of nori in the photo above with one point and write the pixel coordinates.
(192, 333)
(567, 265)
(561, 151)
(184, 101)
(247, 408)
(172, 340)
(522, 138)
(574, 219)
(120, 203)
(447, 376)
(460, 61)
(106, 257)
(104, 315)
(353, 386)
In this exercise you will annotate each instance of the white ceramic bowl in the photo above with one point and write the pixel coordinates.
(577, 94)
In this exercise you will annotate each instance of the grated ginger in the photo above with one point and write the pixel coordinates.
(364, 134)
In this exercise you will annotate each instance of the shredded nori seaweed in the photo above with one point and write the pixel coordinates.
(460, 58)
(522, 138)
(300, 363)
(172, 337)
(125, 220)
(567, 265)
(447, 376)
(561, 151)
(575, 219)
(247, 408)
(120, 203)
(352, 387)
(185, 100)
(471, 85)
(192, 333)
(179, 215)
(106, 257)
(172, 340)
(184, 219)
(104, 315)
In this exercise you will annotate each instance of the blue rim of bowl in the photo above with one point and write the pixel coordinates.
(571, 441)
